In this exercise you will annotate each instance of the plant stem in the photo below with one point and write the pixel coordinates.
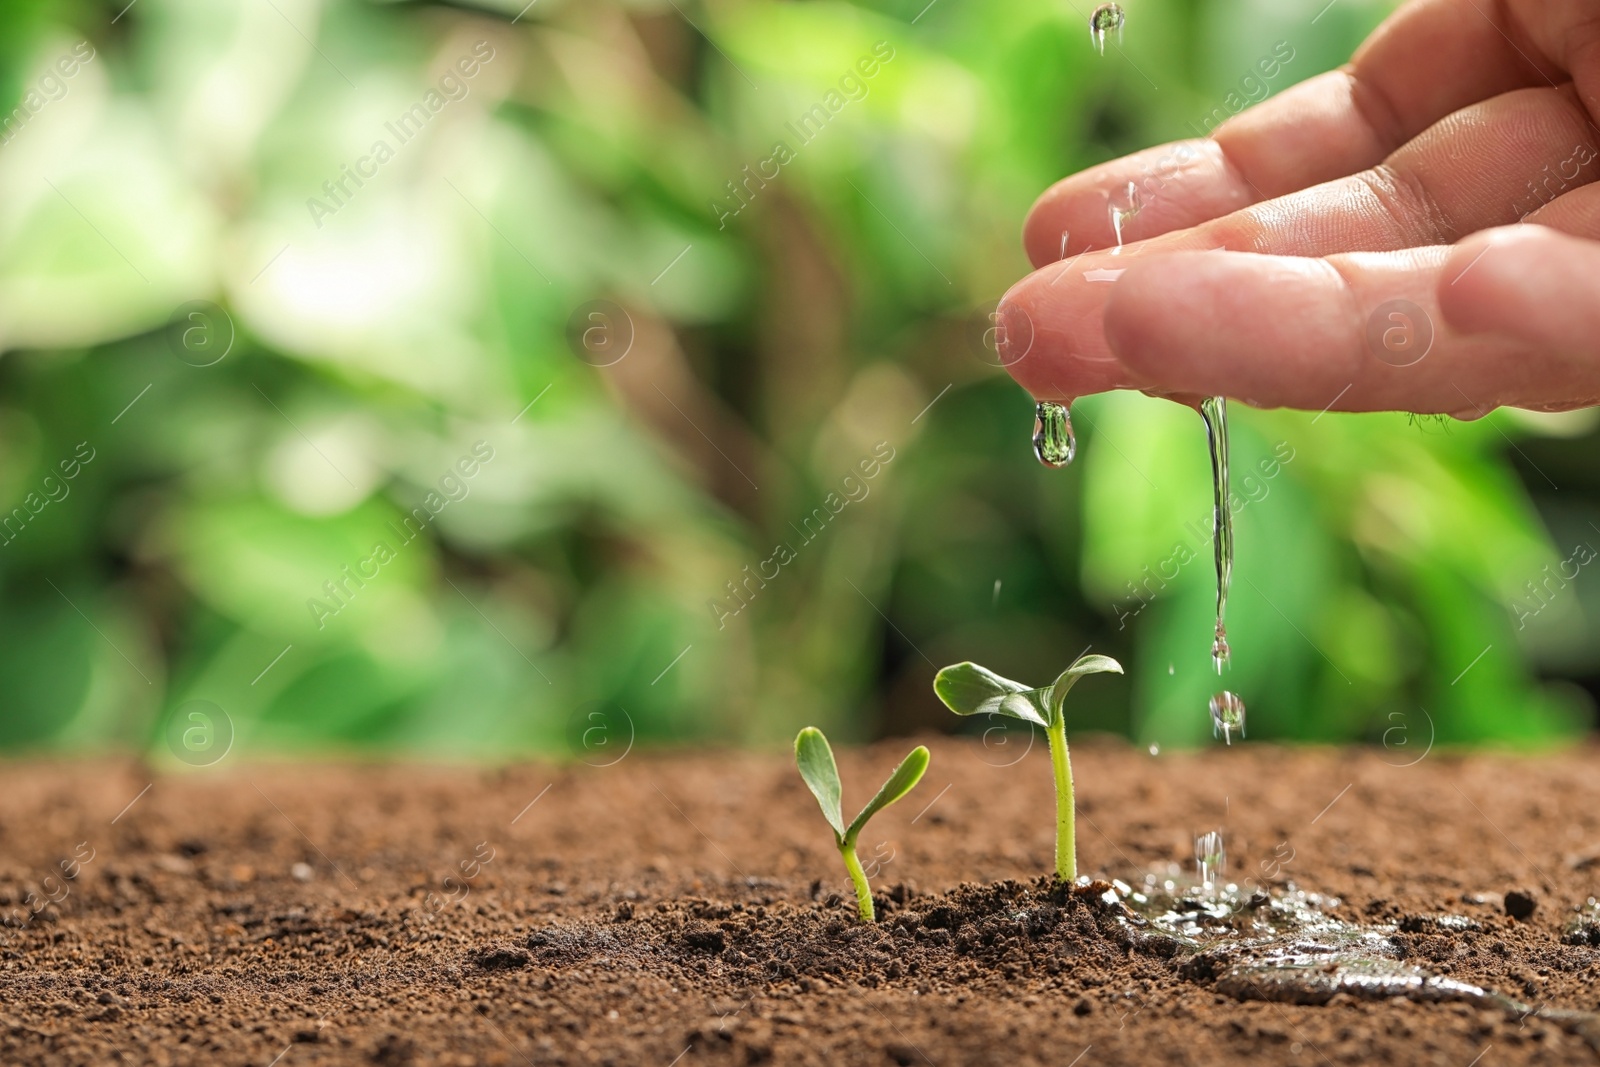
(1066, 833)
(858, 877)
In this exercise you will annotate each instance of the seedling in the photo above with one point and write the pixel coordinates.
(815, 759)
(968, 689)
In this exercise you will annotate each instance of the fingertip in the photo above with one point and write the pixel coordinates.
(1021, 348)
(1051, 340)
(1014, 340)
(1160, 190)
(1056, 227)
(1042, 249)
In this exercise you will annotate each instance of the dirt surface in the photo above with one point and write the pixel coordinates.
(681, 910)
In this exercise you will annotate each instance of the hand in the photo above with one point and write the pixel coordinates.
(1395, 178)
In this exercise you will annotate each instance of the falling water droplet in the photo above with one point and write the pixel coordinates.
(1214, 410)
(1227, 716)
(1210, 856)
(1155, 749)
(1107, 18)
(1053, 441)
(1172, 668)
(1221, 654)
(1121, 214)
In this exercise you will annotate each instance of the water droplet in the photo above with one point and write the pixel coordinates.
(1221, 654)
(1121, 213)
(1172, 669)
(1107, 18)
(1053, 441)
(1155, 749)
(1227, 715)
(1210, 856)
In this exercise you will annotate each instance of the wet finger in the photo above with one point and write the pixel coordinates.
(1428, 60)
(1457, 331)
(1482, 167)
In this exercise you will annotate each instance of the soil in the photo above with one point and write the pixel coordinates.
(690, 909)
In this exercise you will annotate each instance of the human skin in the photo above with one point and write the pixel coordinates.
(1450, 164)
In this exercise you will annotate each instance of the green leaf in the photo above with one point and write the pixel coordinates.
(815, 760)
(902, 781)
(1056, 695)
(968, 689)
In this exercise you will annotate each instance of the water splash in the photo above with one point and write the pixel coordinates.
(1584, 927)
(1235, 919)
(1107, 18)
(1210, 857)
(1227, 716)
(1286, 947)
(1053, 441)
(1214, 410)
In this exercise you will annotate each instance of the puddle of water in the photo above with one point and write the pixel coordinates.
(1584, 927)
(1284, 946)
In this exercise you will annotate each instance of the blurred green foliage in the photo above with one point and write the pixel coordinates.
(777, 354)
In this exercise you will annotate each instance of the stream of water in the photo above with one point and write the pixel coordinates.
(1214, 410)
(1055, 445)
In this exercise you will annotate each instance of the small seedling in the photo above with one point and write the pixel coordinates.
(815, 759)
(968, 689)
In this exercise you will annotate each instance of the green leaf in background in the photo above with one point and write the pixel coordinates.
(691, 531)
(38, 703)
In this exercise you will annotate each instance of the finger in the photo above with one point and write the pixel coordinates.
(1368, 331)
(1430, 59)
(1575, 211)
(1174, 186)
(1472, 171)
(1534, 286)
(1427, 61)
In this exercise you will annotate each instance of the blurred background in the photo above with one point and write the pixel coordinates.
(458, 380)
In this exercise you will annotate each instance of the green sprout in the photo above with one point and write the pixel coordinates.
(968, 689)
(815, 760)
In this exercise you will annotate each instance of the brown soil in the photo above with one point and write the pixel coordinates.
(690, 909)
